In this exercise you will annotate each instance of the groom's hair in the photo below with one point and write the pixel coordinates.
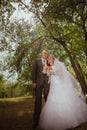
(45, 51)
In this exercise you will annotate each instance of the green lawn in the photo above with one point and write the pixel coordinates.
(17, 114)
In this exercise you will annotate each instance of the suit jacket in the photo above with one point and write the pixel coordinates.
(37, 76)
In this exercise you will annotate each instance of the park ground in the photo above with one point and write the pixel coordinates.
(17, 114)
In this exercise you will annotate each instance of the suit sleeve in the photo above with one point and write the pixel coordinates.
(34, 71)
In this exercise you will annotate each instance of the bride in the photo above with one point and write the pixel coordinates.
(65, 108)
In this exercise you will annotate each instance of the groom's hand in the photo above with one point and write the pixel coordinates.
(34, 85)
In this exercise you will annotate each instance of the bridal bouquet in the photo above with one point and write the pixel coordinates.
(47, 69)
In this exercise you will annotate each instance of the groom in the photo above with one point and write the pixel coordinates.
(40, 82)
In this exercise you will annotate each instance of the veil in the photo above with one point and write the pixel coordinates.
(66, 77)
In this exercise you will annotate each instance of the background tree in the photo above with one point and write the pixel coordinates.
(60, 26)
(3, 92)
(66, 23)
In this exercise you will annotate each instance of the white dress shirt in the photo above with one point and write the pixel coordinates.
(44, 62)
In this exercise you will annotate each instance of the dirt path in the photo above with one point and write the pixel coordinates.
(17, 114)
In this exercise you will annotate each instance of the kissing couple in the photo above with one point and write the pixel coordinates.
(64, 107)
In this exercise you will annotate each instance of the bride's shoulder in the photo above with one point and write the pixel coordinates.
(53, 66)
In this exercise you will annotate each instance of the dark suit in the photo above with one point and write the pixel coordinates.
(41, 81)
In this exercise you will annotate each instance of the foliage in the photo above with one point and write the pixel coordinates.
(61, 27)
(66, 23)
(3, 92)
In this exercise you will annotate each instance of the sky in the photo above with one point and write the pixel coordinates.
(19, 13)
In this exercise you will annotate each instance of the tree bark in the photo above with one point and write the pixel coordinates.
(79, 76)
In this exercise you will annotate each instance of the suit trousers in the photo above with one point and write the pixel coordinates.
(38, 100)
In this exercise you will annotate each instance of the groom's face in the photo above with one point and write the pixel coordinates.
(45, 54)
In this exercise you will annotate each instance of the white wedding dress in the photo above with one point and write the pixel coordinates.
(65, 107)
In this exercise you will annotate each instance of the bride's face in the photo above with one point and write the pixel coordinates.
(51, 60)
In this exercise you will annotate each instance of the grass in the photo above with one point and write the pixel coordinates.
(17, 114)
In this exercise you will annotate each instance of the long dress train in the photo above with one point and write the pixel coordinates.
(64, 108)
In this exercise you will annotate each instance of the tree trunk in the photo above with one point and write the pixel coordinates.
(79, 76)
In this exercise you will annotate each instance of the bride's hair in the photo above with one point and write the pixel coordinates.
(52, 56)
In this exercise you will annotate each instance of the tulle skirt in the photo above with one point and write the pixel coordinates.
(64, 108)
